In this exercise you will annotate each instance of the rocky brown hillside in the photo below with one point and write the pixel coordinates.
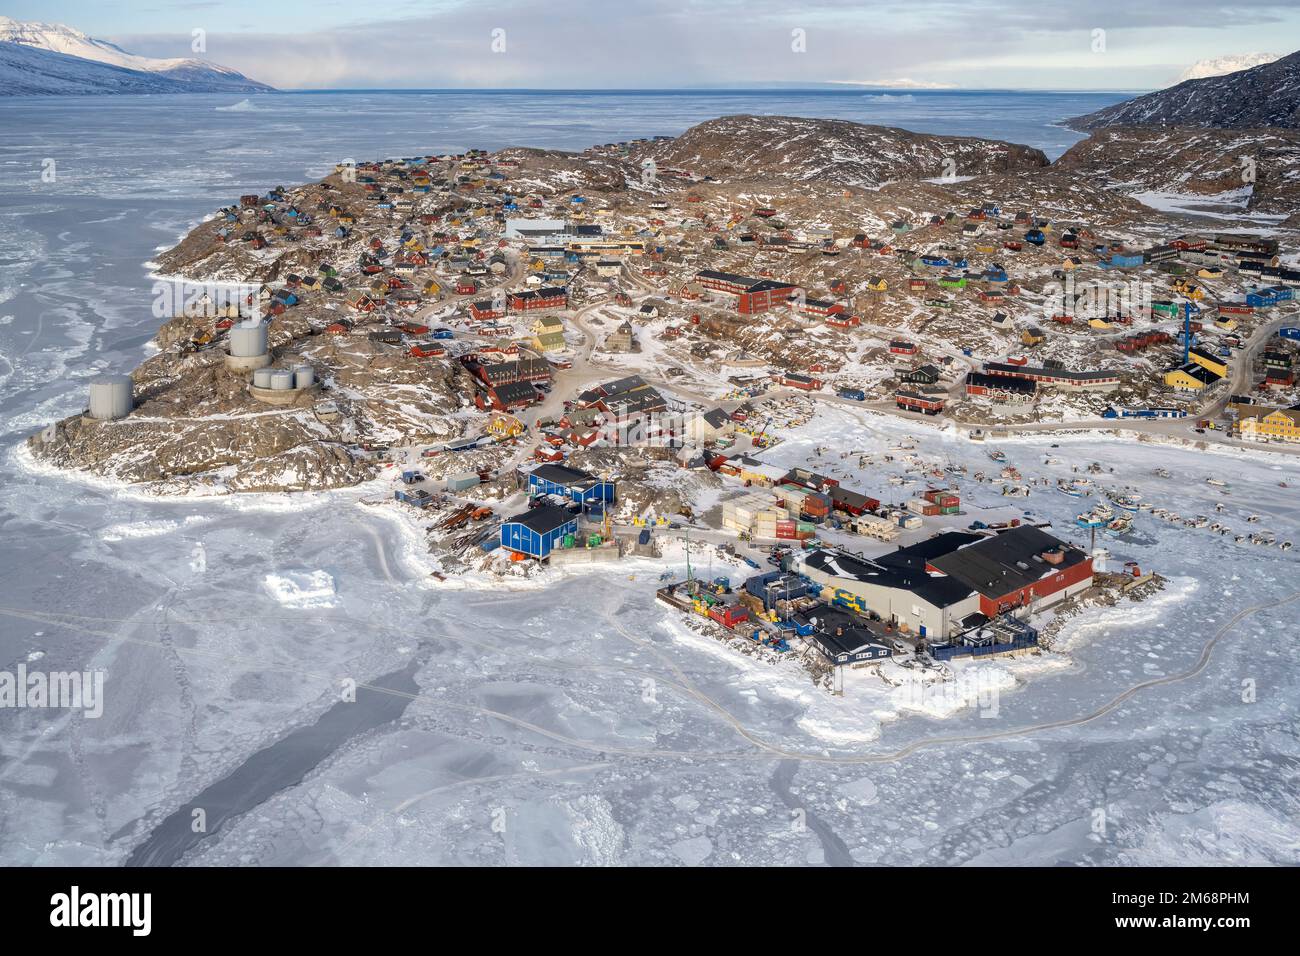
(1192, 160)
(1267, 95)
(833, 152)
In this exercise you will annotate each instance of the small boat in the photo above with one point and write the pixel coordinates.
(1120, 525)
(1161, 473)
(1072, 490)
(1089, 520)
(1217, 482)
(998, 456)
(1126, 503)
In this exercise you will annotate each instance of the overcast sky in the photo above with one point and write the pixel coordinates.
(597, 44)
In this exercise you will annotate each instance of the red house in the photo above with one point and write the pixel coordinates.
(902, 347)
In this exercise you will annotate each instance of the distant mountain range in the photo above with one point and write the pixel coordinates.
(52, 59)
(1265, 95)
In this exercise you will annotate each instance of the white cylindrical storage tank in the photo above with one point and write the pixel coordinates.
(282, 379)
(303, 376)
(248, 339)
(262, 377)
(111, 396)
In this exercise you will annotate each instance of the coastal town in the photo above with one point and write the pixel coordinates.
(560, 363)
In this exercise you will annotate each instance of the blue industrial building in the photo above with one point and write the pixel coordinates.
(1270, 296)
(577, 486)
(537, 531)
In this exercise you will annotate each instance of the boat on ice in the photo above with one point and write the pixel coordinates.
(999, 456)
(1121, 525)
(1075, 489)
(1128, 503)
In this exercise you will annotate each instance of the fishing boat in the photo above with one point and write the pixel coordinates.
(1069, 488)
(1217, 482)
(1126, 503)
(999, 456)
(1089, 519)
(1121, 525)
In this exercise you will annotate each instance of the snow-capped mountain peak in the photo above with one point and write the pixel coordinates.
(188, 74)
(1221, 65)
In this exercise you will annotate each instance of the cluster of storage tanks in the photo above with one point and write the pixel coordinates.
(284, 379)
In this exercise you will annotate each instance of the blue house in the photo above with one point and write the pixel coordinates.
(537, 531)
(1121, 261)
(577, 486)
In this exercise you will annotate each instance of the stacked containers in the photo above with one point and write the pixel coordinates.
(949, 503)
(262, 377)
(282, 380)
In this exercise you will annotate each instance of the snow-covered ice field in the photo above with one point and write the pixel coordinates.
(575, 720)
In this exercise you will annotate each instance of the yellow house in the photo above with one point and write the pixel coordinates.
(1032, 336)
(1101, 323)
(1210, 272)
(503, 426)
(877, 284)
(431, 287)
(546, 323)
(1225, 322)
(1279, 424)
(1190, 378)
(1210, 361)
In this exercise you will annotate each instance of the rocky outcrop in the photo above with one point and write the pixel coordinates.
(1260, 166)
(833, 152)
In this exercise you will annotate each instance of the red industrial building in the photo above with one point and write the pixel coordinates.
(507, 397)
(1057, 377)
(1000, 388)
(930, 403)
(483, 311)
(805, 382)
(552, 297)
(1017, 568)
(752, 295)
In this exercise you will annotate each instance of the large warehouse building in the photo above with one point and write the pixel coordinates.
(956, 580)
